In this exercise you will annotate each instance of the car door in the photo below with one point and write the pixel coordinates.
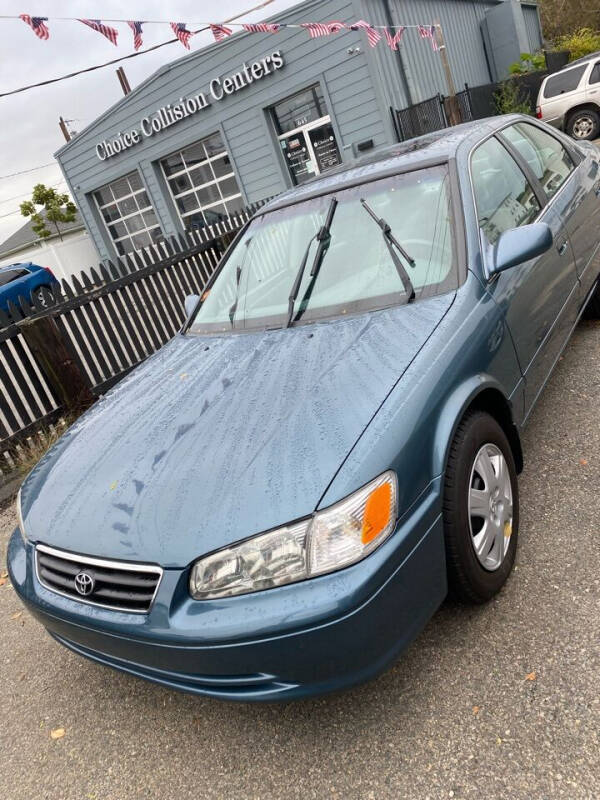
(540, 296)
(573, 189)
(592, 94)
(562, 91)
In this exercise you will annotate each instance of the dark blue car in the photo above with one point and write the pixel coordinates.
(275, 503)
(25, 280)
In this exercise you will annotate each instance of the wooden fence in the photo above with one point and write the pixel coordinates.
(110, 319)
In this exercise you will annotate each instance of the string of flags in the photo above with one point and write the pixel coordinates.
(392, 34)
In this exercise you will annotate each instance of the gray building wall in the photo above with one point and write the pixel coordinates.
(358, 88)
(534, 29)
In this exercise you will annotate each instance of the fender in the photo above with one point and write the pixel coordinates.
(465, 395)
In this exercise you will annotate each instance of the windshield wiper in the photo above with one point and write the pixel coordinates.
(238, 277)
(392, 243)
(323, 237)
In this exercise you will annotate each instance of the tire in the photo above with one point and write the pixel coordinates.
(38, 294)
(479, 442)
(584, 125)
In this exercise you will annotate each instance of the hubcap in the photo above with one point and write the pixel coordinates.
(583, 127)
(490, 506)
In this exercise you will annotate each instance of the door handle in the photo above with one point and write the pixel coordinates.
(562, 248)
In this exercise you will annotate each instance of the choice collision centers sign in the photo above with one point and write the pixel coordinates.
(168, 115)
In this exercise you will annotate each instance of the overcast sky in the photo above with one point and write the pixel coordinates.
(29, 133)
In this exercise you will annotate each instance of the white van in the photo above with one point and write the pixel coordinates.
(570, 99)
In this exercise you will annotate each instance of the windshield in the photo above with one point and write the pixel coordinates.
(357, 271)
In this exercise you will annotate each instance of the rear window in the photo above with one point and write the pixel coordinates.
(564, 81)
(10, 275)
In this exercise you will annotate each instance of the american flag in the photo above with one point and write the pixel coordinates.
(95, 24)
(262, 27)
(37, 25)
(395, 39)
(136, 27)
(428, 32)
(220, 32)
(182, 33)
(373, 36)
(316, 29)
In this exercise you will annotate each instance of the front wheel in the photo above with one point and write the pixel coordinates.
(584, 125)
(481, 509)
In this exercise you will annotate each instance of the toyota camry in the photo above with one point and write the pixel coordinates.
(275, 503)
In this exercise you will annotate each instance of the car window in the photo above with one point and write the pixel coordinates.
(503, 195)
(548, 159)
(11, 275)
(595, 73)
(564, 81)
(357, 272)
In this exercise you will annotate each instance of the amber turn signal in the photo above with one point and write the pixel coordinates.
(378, 512)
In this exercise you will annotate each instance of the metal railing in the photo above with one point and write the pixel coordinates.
(472, 103)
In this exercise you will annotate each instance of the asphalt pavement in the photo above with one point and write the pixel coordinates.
(499, 701)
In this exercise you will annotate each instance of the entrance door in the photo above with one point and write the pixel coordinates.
(306, 135)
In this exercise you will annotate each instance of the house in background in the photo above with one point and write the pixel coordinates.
(65, 257)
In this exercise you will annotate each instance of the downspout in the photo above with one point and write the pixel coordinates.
(401, 67)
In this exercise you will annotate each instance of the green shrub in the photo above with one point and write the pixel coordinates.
(529, 63)
(579, 43)
(509, 100)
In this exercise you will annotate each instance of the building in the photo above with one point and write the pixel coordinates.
(66, 252)
(245, 118)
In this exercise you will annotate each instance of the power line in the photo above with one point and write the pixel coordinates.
(206, 26)
(33, 169)
(23, 194)
(122, 58)
(14, 213)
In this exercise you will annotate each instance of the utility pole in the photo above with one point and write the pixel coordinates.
(65, 131)
(123, 80)
(454, 114)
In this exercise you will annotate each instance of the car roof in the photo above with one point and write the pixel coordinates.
(432, 148)
(582, 60)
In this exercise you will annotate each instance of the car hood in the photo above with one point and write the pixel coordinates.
(214, 439)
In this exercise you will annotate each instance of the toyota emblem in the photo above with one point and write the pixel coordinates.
(84, 583)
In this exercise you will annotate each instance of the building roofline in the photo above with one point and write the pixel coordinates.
(201, 53)
(17, 249)
(165, 68)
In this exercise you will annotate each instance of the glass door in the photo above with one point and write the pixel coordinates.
(306, 134)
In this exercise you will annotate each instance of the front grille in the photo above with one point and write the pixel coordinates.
(112, 584)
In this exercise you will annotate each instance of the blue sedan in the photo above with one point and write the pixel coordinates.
(275, 503)
(26, 280)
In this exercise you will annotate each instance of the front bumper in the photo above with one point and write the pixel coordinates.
(293, 641)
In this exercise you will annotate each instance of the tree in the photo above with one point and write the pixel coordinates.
(560, 17)
(56, 207)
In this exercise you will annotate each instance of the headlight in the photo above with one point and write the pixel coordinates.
(20, 516)
(329, 540)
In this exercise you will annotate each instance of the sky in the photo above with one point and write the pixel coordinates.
(29, 132)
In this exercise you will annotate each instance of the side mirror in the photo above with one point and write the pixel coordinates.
(520, 244)
(190, 303)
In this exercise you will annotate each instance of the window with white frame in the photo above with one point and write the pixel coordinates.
(128, 214)
(203, 183)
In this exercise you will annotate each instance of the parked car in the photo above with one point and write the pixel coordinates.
(275, 503)
(25, 280)
(570, 98)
